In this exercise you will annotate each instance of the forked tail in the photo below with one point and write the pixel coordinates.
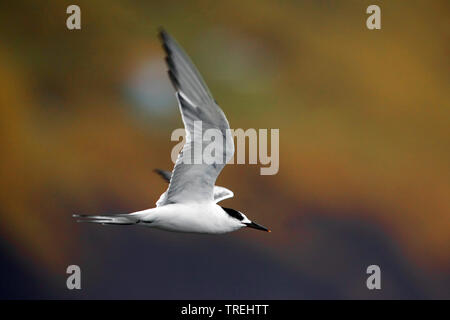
(122, 219)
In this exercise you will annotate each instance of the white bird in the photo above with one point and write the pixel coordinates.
(190, 202)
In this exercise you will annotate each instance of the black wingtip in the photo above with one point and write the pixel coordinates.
(173, 79)
(161, 31)
(170, 63)
(164, 174)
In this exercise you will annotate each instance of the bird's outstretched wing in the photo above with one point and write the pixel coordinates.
(219, 193)
(193, 177)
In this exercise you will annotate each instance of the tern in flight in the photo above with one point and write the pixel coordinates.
(190, 202)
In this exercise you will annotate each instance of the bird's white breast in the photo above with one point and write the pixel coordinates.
(191, 217)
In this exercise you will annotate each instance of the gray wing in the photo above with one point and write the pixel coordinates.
(193, 179)
(219, 193)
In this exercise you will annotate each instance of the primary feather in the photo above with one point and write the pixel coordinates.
(220, 193)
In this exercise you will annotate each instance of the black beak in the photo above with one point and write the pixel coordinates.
(256, 226)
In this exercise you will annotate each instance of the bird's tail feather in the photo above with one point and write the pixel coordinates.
(122, 219)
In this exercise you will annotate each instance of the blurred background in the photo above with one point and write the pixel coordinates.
(364, 148)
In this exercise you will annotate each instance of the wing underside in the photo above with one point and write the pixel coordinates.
(193, 177)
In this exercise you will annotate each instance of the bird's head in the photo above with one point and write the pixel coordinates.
(242, 221)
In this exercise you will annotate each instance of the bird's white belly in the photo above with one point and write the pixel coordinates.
(193, 218)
